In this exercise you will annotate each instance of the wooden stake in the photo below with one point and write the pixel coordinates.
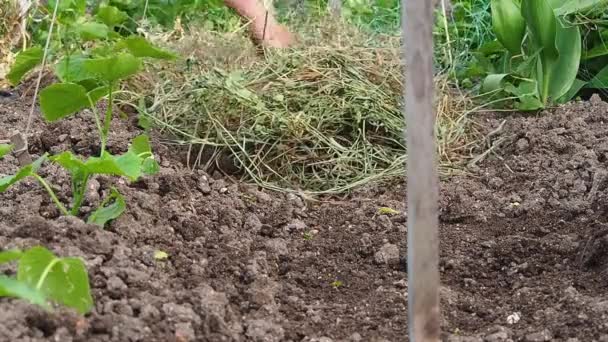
(20, 149)
(422, 193)
(335, 7)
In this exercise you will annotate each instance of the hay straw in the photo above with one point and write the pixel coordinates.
(324, 118)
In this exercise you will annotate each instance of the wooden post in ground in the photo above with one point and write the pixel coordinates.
(335, 7)
(422, 182)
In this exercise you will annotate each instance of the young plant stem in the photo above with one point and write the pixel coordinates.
(46, 185)
(79, 187)
(97, 123)
(45, 273)
(108, 119)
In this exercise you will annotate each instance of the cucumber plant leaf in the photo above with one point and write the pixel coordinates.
(114, 68)
(93, 31)
(111, 15)
(25, 61)
(11, 287)
(111, 208)
(63, 280)
(140, 47)
(5, 149)
(26, 171)
(62, 99)
(71, 69)
(10, 255)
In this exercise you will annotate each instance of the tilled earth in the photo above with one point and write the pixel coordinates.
(523, 239)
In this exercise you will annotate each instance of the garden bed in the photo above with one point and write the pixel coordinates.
(522, 242)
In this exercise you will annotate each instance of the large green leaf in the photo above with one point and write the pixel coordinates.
(5, 149)
(541, 23)
(64, 280)
(62, 99)
(89, 31)
(560, 49)
(71, 69)
(565, 69)
(111, 69)
(10, 287)
(140, 47)
(111, 208)
(111, 15)
(24, 62)
(508, 24)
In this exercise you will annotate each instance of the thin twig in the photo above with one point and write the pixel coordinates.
(46, 50)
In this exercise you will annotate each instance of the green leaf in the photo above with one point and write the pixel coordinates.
(105, 165)
(99, 93)
(77, 6)
(508, 24)
(529, 103)
(5, 149)
(565, 69)
(69, 161)
(141, 145)
(10, 287)
(142, 148)
(111, 208)
(578, 6)
(576, 87)
(71, 69)
(24, 62)
(114, 68)
(493, 83)
(140, 47)
(542, 24)
(80, 176)
(597, 51)
(561, 48)
(10, 255)
(111, 16)
(600, 80)
(130, 164)
(387, 211)
(64, 280)
(150, 166)
(160, 255)
(26, 171)
(93, 31)
(62, 99)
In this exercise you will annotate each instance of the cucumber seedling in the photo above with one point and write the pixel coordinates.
(90, 59)
(43, 277)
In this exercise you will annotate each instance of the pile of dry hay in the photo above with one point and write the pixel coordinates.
(321, 119)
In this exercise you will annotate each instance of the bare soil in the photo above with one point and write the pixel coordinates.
(523, 238)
